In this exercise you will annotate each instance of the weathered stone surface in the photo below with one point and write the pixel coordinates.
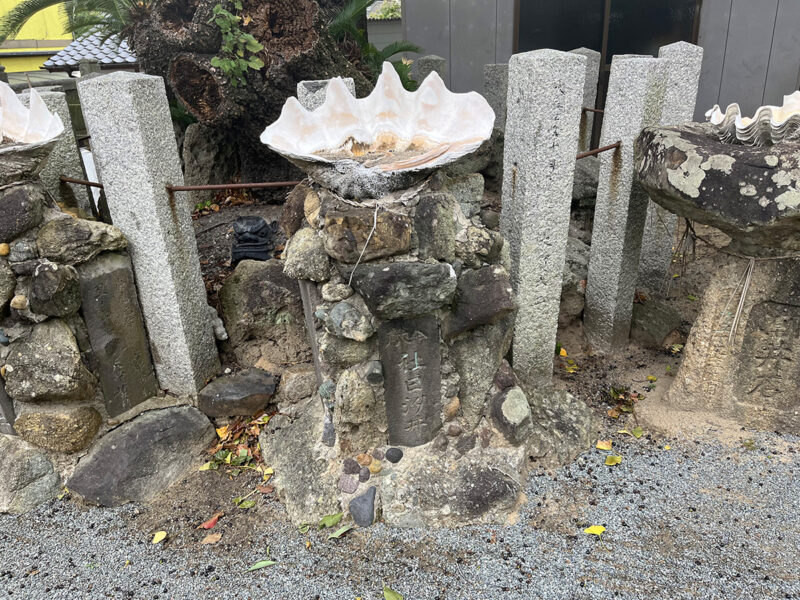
(263, 314)
(584, 183)
(589, 95)
(483, 296)
(373, 372)
(400, 290)
(362, 508)
(305, 478)
(208, 158)
(495, 90)
(573, 283)
(54, 290)
(394, 455)
(467, 191)
(242, 394)
(298, 382)
(435, 225)
(751, 193)
(411, 360)
(346, 233)
(312, 93)
(425, 65)
(563, 427)
(7, 413)
(47, 366)
(8, 284)
(306, 257)
(512, 415)
(359, 414)
(73, 241)
(62, 429)
(293, 211)
(343, 353)
(139, 459)
(120, 350)
(478, 245)
(22, 208)
(336, 292)
(652, 323)
(27, 477)
(350, 319)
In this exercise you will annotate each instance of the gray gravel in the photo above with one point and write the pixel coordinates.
(696, 521)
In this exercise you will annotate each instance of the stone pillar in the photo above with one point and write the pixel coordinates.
(311, 94)
(134, 147)
(87, 66)
(635, 97)
(544, 109)
(685, 61)
(589, 95)
(425, 65)
(495, 90)
(65, 159)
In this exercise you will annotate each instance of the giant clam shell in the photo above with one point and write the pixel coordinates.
(770, 125)
(391, 139)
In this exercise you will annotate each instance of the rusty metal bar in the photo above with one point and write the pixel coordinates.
(230, 186)
(66, 179)
(593, 110)
(598, 150)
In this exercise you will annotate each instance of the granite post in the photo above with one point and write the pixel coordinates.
(87, 66)
(589, 95)
(311, 94)
(634, 101)
(684, 63)
(544, 110)
(425, 65)
(495, 90)
(65, 159)
(134, 147)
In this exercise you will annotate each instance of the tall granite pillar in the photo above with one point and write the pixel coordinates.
(134, 148)
(685, 61)
(544, 110)
(589, 95)
(425, 65)
(634, 101)
(495, 90)
(65, 159)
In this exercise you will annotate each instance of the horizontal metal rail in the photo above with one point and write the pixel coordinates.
(230, 186)
(593, 110)
(66, 179)
(597, 151)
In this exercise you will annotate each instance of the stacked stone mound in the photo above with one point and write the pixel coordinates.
(417, 417)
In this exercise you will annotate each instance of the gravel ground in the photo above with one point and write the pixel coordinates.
(699, 520)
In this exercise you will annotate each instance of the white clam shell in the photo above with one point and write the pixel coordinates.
(371, 141)
(770, 125)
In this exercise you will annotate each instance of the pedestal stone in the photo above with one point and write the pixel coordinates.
(634, 101)
(685, 61)
(495, 90)
(134, 147)
(311, 94)
(544, 109)
(589, 95)
(425, 65)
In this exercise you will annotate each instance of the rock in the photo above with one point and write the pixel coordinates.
(483, 296)
(468, 193)
(263, 313)
(7, 413)
(293, 213)
(19, 302)
(362, 508)
(27, 477)
(375, 467)
(63, 430)
(454, 430)
(54, 290)
(8, 284)
(491, 219)
(573, 283)
(505, 377)
(218, 325)
(563, 427)
(139, 459)
(306, 257)
(343, 353)
(298, 382)
(355, 399)
(350, 319)
(58, 374)
(400, 290)
(348, 484)
(72, 241)
(466, 443)
(350, 466)
(511, 415)
(328, 431)
(478, 245)
(364, 460)
(303, 479)
(653, 322)
(5, 249)
(436, 227)
(327, 389)
(441, 442)
(242, 394)
(364, 474)
(22, 207)
(394, 455)
(377, 454)
(311, 208)
(346, 233)
(451, 408)
(373, 372)
(587, 174)
(336, 292)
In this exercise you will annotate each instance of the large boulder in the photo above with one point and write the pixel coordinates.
(346, 234)
(306, 257)
(47, 366)
(483, 296)
(652, 323)
(73, 241)
(241, 394)
(22, 207)
(27, 477)
(137, 460)
(60, 429)
(54, 290)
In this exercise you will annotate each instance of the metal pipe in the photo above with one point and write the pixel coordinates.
(598, 150)
(230, 186)
(66, 179)
(594, 110)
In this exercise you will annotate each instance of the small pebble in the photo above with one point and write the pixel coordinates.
(4, 341)
(394, 455)
(362, 508)
(364, 474)
(375, 467)
(451, 408)
(454, 430)
(350, 466)
(5, 249)
(364, 460)
(348, 484)
(327, 389)
(377, 454)
(19, 302)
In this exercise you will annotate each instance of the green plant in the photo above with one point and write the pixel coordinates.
(239, 49)
(391, 9)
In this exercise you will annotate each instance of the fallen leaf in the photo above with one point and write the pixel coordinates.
(261, 564)
(212, 538)
(613, 459)
(667, 447)
(637, 432)
(340, 532)
(265, 489)
(247, 504)
(597, 530)
(330, 520)
(222, 432)
(212, 521)
(304, 528)
(159, 537)
(613, 413)
(206, 467)
(308, 544)
(390, 594)
(563, 352)
(652, 378)
(604, 444)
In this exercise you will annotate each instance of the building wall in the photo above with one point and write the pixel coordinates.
(382, 33)
(40, 38)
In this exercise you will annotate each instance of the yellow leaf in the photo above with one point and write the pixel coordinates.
(308, 544)
(212, 538)
(563, 352)
(604, 444)
(667, 447)
(652, 378)
(205, 467)
(269, 471)
(222, 432)
(159, 537)
(597, 530)
(613, 459)
(246, 20)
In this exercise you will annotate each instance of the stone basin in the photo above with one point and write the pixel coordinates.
(750, 193)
